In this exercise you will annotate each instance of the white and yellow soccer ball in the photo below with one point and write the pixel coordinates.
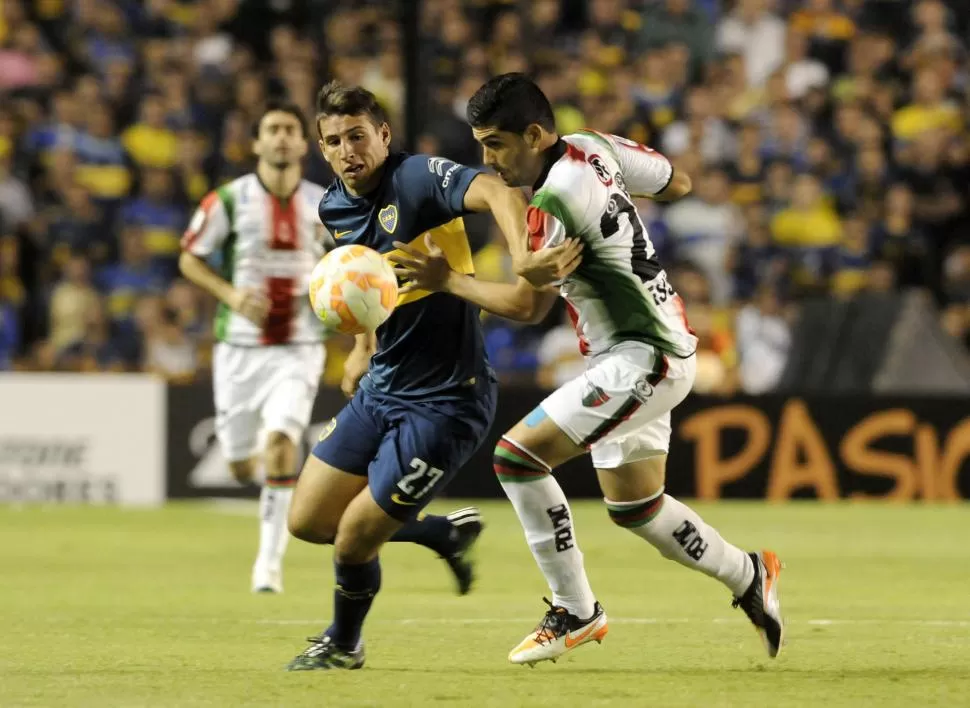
(353, 290)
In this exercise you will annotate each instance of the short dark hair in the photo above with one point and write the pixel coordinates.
(510, 102)
(278, 104)
(335, 99)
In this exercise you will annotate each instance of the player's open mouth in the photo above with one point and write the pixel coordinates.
(354, 171)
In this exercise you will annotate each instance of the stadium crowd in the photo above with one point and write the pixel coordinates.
(826, 140)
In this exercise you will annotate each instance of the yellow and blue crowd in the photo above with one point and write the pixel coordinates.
(826, 138)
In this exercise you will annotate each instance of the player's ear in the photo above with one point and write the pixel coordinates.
(385, 131)
(533, 136)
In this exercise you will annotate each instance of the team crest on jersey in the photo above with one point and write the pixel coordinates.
(328, 429)
(620, 183)
(595, 396)
(600, 168)
(388, 218)
(642, 390)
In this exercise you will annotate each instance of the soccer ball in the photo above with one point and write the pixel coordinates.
(353, 290)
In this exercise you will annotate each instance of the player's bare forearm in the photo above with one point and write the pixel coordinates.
(198, 271)
(366, 342)
(679, 187)
(519, 301)
(508, 207)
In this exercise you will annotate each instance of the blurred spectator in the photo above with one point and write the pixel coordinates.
(756, 34)
(716, 355)
(77, 225)
(930, 110)
(168, 351)
(826, 140)
(150, 142)
(72, 300)
(706, 226)
(809, 232)
(677, 21)
(16, 203)
(102, 163)
(95, 350)
(159, 217)
(763, 342)
(828, 28)
(756, 260)
(802, 72)
(560, 359)
(702, 130)
(852, 257)
(12, 298)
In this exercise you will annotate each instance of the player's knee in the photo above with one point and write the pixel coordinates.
(512, 462)
(307, 528)
(244, 471)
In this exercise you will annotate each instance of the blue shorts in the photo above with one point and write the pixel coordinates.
(408, 450)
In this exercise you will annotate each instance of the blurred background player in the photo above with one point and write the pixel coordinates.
(423, 394)
(269, 356)
(640, 363)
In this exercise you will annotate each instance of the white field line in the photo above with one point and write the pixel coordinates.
(643, 620)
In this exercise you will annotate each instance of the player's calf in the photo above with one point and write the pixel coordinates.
(244, 471)
(364, 528)
(681, 535)
(274, 507)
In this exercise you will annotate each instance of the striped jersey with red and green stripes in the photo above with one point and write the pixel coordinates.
(620, 292)
(266, 243)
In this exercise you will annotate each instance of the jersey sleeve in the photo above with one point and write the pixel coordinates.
(545, 228)
(551, 220)
(440, 183)
(645, 171)
(209, 227)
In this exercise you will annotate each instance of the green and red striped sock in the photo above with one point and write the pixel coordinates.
(630, 515)
(513, 463)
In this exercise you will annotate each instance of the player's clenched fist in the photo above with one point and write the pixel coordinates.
(251, 304)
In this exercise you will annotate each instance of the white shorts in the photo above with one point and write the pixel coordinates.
(619, 409)
(268, 388)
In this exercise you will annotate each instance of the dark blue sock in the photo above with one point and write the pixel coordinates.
(434, 532)
(356, 586)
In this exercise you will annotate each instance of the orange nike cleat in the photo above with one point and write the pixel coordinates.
(559, 632)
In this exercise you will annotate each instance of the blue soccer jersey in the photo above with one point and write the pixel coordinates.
(431, 348)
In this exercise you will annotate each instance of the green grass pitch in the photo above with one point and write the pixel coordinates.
(107, 607)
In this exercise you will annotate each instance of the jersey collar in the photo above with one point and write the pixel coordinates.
(282, 200)
(552, 156)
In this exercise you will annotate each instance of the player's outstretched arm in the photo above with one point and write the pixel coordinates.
(515, 301)
(508, 205)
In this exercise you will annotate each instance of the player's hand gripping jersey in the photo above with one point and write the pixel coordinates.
(620, 292)
(267, 244)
